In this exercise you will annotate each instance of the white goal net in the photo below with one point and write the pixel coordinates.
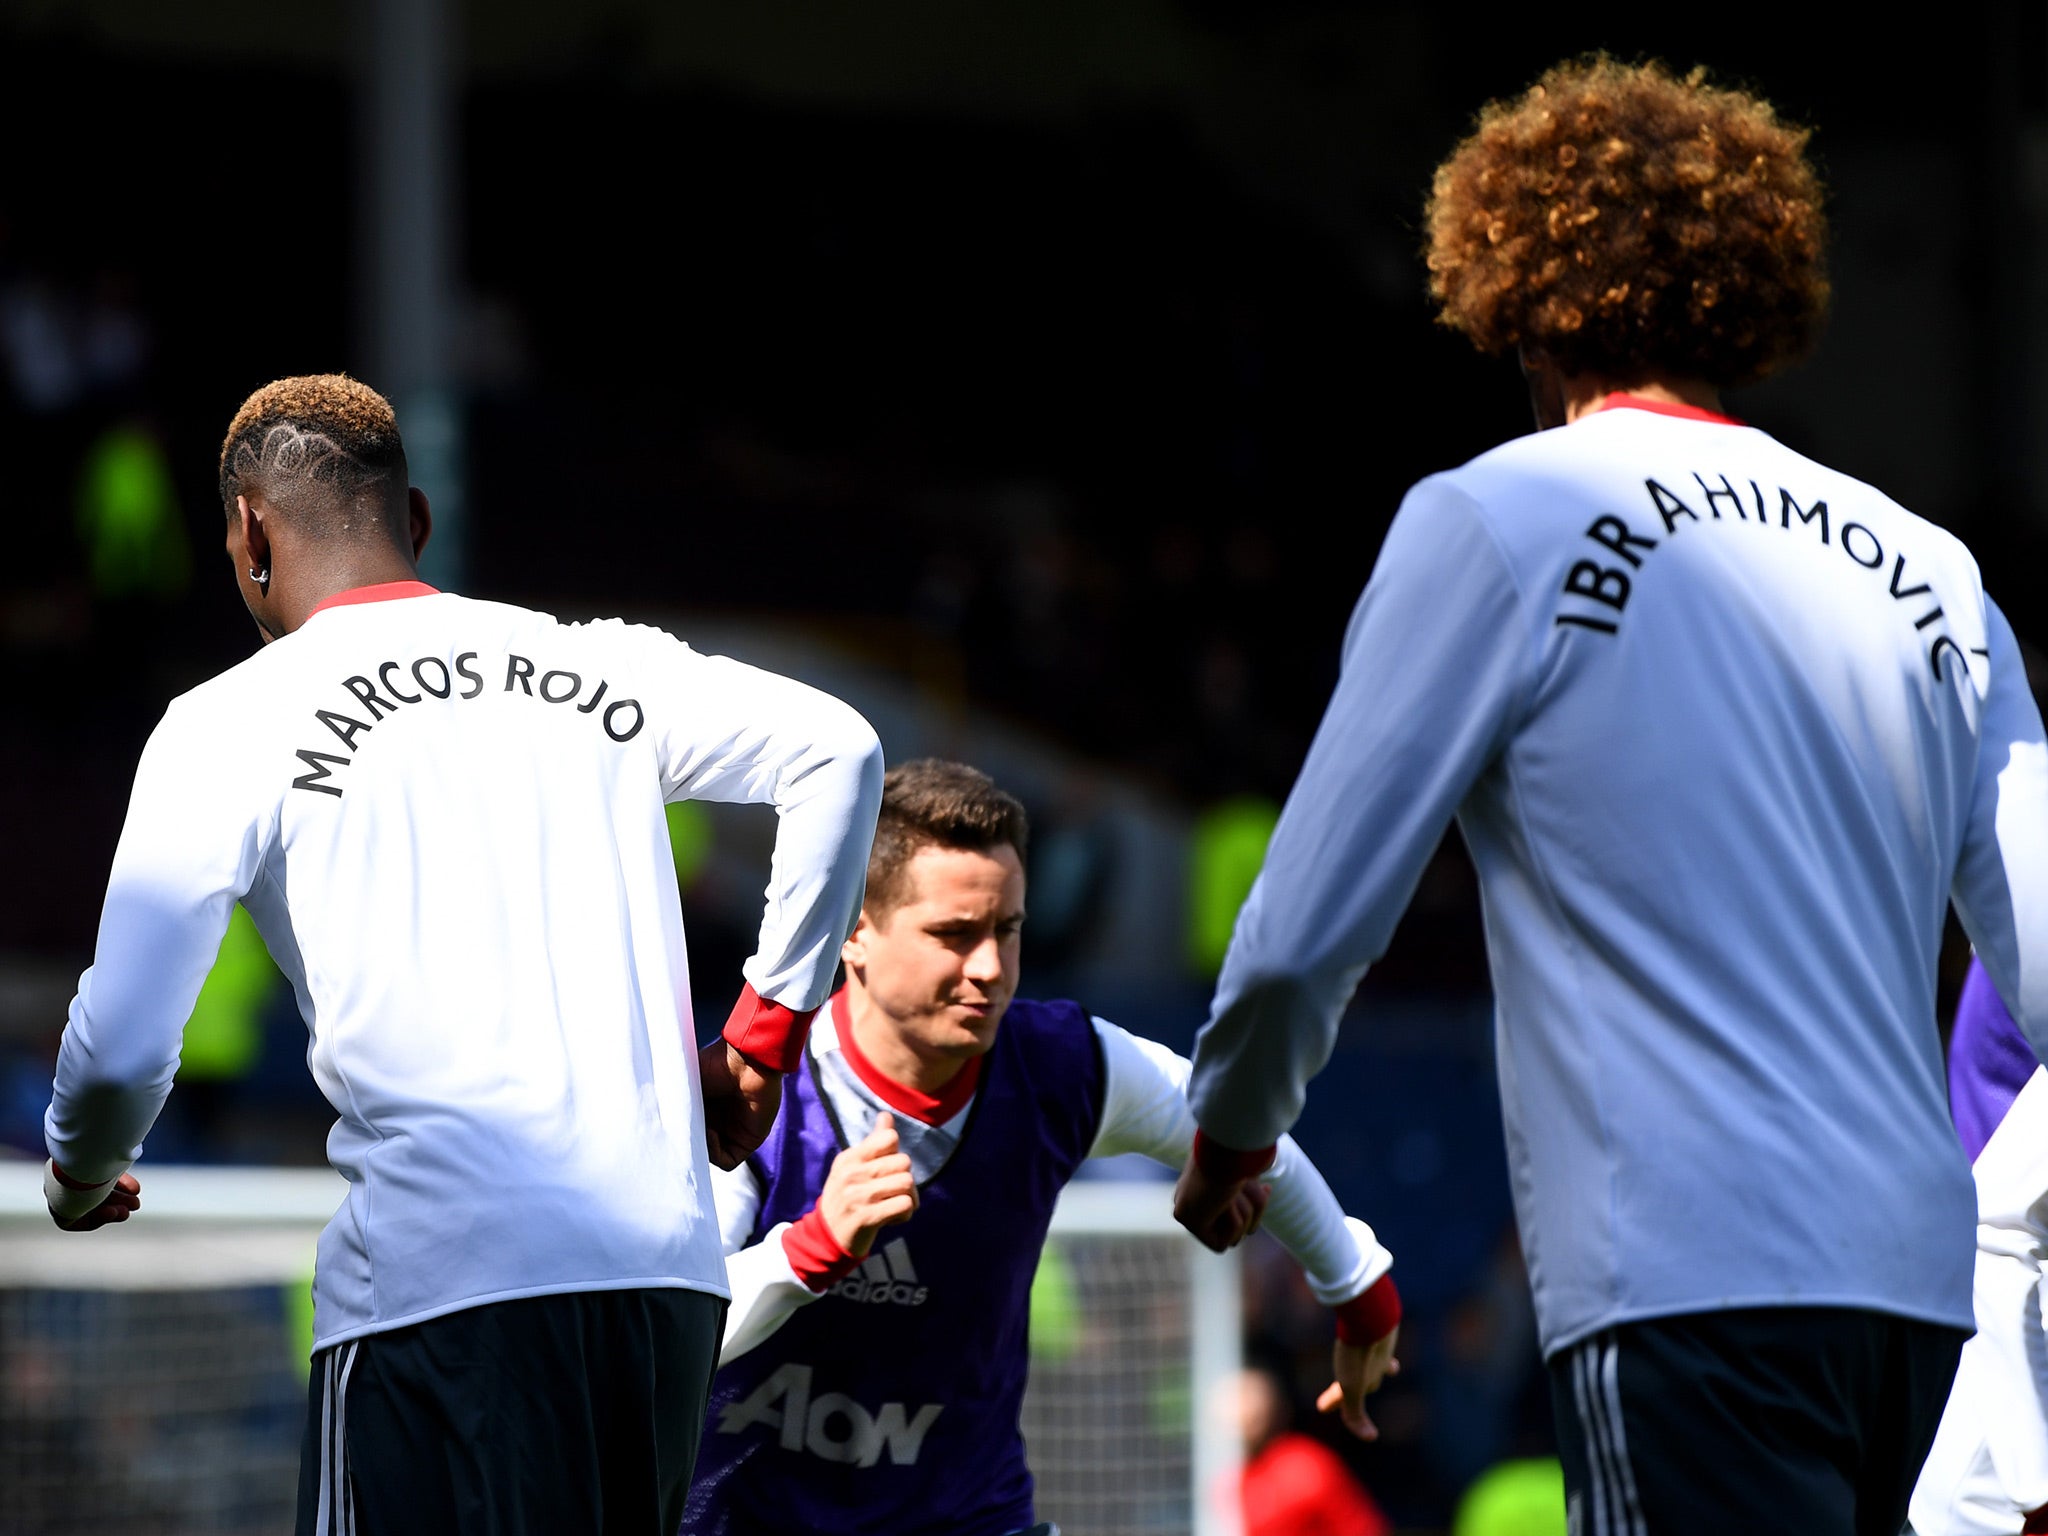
(152, 1375)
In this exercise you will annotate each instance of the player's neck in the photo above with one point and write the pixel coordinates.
(1558, 397)
(885, 1049)
(316, 581)
(1583, 397)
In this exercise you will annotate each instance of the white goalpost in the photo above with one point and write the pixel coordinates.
(152, 1374)
(1122, 1423)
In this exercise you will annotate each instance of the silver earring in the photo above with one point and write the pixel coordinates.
(261, 578)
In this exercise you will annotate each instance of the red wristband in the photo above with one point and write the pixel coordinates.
(766, 1033)
(1221, 1162)
(1371, 1315)
(814, 1253)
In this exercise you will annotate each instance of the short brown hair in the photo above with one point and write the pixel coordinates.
(325, 438)
(1632, 224)
(931, 802)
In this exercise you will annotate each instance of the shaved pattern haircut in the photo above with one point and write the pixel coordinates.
(324, 445)
(929, 802)
(1631, 224)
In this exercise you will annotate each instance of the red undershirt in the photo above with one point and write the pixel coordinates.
(931, 1108)
(1622, 400)
(380, 592)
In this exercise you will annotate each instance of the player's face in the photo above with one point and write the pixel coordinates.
(942, 967)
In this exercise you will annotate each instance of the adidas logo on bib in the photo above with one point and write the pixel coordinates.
(885, 1278)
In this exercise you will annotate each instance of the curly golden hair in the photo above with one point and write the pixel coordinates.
(1632, 224)
(323, 437)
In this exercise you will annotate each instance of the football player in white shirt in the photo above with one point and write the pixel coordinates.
(1726, 731)
(446, 817)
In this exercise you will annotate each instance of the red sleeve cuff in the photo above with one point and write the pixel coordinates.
(1370, 1315)
(814, 1253)
(1221, 1162)
(767, 1034)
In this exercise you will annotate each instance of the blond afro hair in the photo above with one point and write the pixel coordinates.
(1632, 224)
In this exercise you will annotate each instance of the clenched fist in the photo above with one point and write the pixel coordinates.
(870, 1187)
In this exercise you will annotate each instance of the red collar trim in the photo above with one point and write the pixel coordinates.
(1666, 408)
(382, 592)
(932, 1109)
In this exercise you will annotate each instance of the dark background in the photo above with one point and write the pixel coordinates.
(1061, 365)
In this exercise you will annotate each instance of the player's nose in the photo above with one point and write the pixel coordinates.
(985, 962)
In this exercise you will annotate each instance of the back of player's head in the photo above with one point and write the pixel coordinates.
(1632, 224)
(929, 802)
(324, 450)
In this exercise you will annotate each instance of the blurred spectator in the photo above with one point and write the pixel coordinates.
(1292, 1484)
(42, 367)
(1515, 1498)
(1226, 847)
(129, 518)
(62, 347)
(224, 1036)
(1487, 1370)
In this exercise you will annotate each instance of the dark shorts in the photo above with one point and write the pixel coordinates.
(1805, 1421)
(578, 1412)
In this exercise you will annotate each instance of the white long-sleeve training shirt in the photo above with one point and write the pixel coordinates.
(446, 818)
(1988, 1467)
(1725, 730)
(1145, 1110)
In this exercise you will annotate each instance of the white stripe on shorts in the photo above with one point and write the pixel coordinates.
(1596, 1392)
(1610, 1385)
(347, 1492)
(337, 1506)
(321, 1525)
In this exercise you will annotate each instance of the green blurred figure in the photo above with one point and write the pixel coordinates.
(1514, 1498)
(1055, 1307)
(129, 517)
(225, 1034)
(1226, 851)
(689, 839)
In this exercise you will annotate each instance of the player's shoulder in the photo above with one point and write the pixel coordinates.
(1854, 499)
(1057, 1059)
(1056, 1038)
(1523, 487)
(613, 630)
(1528, 473)
(238, 700)
(1053, 1017)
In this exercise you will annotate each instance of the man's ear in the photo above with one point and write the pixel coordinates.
(419, 518)
(255, 538)
(855, 950)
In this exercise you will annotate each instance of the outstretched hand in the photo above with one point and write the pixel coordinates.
(1359, 1369)
(740, 1102)
(1220, 1212)
(869, 1187)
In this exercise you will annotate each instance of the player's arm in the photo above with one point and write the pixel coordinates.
(188, 851)
(869, 1187)
(2001, 881)
(1439, 660)
(2012, 1251)
(730, 732)
(1145, 1110)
